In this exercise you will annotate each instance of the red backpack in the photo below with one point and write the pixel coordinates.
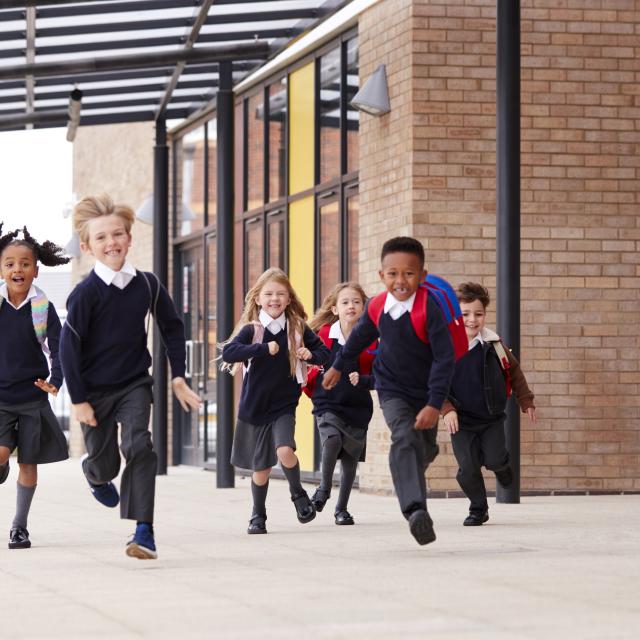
(446, 299)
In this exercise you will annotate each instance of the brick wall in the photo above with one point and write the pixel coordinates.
(428, 169)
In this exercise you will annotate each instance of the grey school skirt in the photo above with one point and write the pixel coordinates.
(254, 446)
(354, 439)
(34, 430)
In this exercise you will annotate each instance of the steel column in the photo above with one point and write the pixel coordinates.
(224, 270)
(160, 268)
(508, 213)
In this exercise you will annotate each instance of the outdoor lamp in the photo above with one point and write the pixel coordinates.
(373, 97)
(75, 104)
(73, 246)
(144, 212)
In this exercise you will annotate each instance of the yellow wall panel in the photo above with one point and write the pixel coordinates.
(301, 129)
(301, 265)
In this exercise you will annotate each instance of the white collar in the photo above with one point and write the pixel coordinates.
(109, 276)
(4, 293)
(335, 333)
(392, 301)
(486, 335)
(477, 340)
(266, 320)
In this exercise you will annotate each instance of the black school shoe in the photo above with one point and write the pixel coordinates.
(319, 499)
(421, 527)
(344, 517)
(476, 519)
(19, 538)
(4, 471)
(257, 525)
(305, 510)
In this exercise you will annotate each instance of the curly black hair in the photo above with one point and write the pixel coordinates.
(48, 253)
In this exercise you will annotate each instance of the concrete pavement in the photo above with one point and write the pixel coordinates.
(551, 567)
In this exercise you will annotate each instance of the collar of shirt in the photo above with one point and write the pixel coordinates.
(275, 325)
(477, 340)
(395, 308)
(335, 333)
(118, 279)
(4, 292)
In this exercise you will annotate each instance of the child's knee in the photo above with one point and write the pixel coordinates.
(261, 477)
(139, 444)
(286, 456)
(28, 475)
(5, 452)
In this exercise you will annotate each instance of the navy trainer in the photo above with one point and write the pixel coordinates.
(105, 494)
(142, 545)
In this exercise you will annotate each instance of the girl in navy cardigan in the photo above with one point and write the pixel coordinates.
(274, 345)
(29, 331)
(343, 413)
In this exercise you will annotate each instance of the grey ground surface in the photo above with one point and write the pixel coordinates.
(551, 567)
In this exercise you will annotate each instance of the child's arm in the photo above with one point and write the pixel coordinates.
(53, 342)
(362, 380)
(241, 349)
(523, 394)
(314, 350)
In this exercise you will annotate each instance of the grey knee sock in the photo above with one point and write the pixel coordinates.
(330, 451)
(23, 504)
(293, 478)
(349, 465)
(259, 493)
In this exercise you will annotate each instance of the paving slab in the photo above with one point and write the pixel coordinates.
(551, 567)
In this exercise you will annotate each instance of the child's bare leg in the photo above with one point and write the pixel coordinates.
(5, 452)
(28, 475)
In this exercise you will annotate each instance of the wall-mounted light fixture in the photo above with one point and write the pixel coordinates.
(75, 105)
(73, 246)
(144, 212)
(373, 97)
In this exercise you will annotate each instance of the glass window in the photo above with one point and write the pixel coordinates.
(352, 235)
(330, 115)
(255, 151)
(190, 214)
(212, 158)
(275, 239)
(238, 158)
(212, 327)
(254, 250)
(330, 255)
(277, 139)
(353, 115)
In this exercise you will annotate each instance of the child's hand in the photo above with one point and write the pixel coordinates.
(451, 421)
(273, 347)
(531, 412)
(427, 418)
(354, 378)
(187, 398)
(331, 378)
(83, 412)
(303, 353)
(46, 387)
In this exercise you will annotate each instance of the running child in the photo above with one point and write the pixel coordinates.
(29, 331)
(275, 345)
(106, 364)
(474, 415)
(342, 414)
(412, 369)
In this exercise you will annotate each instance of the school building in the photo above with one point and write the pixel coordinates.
(318, 186)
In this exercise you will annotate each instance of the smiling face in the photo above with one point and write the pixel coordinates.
(402, 273)
(18, 267)
(349, 306)
(474, 316)
(273, 298)
(108, 240)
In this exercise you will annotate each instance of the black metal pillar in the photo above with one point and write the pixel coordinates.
(160, 268)
(224, 269)
(508, 214)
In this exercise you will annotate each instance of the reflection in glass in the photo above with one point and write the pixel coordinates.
(255, 151)
(190, 216)
(238, 158)
(353, 115)
(277, 140)
(330, 115)
(353, 211)
(254, 247)
(212, 203)
(212, 369)
(330, 257)
(275, 247)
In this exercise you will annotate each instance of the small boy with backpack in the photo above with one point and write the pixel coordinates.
(412, 369)
(474, 414)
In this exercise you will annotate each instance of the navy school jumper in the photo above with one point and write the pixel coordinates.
(22, 360)
(268, 389)
(405, 367)
(103, 345)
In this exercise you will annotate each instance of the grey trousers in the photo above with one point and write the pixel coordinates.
(411, 452)
(130, 407)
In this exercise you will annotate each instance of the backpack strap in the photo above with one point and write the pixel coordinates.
(153, 298)
(504, 363)
(323, 334)
(418, 312)
(39, 317)
(376, 307)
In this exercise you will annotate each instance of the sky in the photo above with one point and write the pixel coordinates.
(36, 183)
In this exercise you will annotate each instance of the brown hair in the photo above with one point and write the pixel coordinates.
(93, 207)
(324, 315)
(294, 313)
(470, 291)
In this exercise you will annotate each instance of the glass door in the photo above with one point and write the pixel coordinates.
(211, 368)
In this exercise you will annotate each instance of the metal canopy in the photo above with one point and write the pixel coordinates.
(135, 60)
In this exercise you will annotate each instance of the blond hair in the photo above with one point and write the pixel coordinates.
(92, 207)
(294, 313)
(324, 315)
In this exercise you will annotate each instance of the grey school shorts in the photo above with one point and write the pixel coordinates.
(254, 446)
